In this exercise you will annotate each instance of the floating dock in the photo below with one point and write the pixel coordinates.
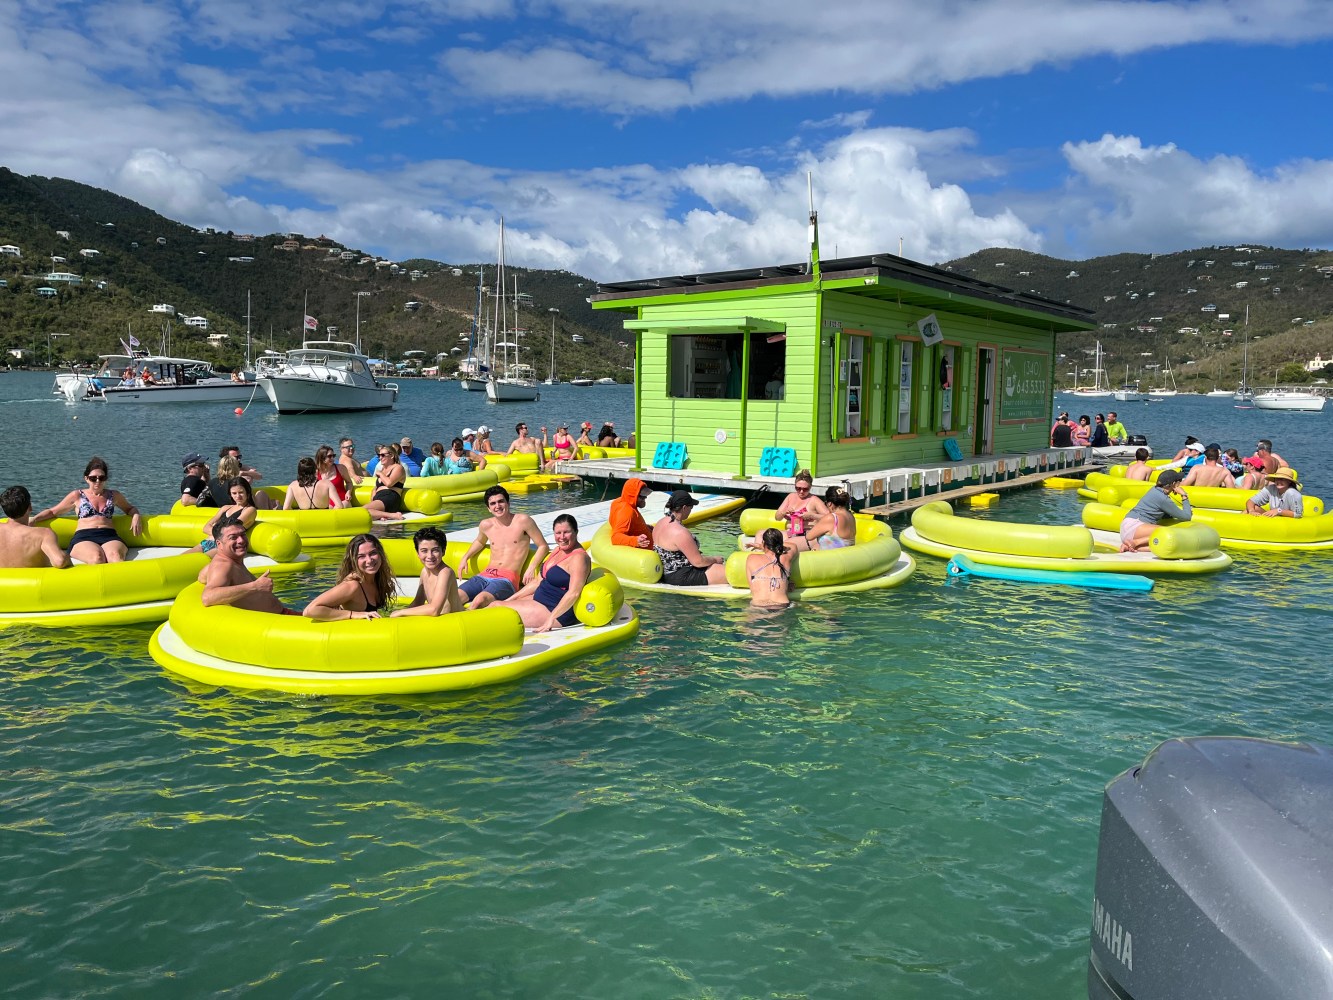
(881, 492)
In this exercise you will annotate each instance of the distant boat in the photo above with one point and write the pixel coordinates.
(1218, 392)
(1098, 387)
(1164, 389)
(1299, 400)
(582, 380)
(1243, 396)
(1129, 392)
(174, 380)
(511, 381)
(607, 381)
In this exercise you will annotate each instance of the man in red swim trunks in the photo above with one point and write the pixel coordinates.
(511, 537)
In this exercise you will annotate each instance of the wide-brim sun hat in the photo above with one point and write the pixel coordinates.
(1283, 472)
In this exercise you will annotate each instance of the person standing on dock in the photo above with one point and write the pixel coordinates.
(1156, 506)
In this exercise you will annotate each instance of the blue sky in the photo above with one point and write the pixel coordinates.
(631, 138)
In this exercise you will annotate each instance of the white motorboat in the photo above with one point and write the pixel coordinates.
(582, 381)
(326, 376)
(1300, 400)
(1129, 394)
(152, 378)
(607, 381)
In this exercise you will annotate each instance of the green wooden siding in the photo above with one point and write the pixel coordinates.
(808, 419)
(695, 422)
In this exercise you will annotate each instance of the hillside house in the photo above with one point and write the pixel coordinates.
(47, 292)
(163, 309)
(68, 277)
(90, 252)
(216, 339)
(198, 322)
(1265, 267)
(9, 250)
(63, 233)
(161, 241)
(881, 362)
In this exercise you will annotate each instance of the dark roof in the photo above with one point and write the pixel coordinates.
(896, 278)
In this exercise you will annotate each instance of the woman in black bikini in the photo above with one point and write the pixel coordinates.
(307, 491)
(364, 587)
(770, 571)
(387, 503)
(95, 539)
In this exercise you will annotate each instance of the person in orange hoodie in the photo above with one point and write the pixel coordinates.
(627, 525)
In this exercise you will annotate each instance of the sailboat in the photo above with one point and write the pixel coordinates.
(510, 380)
(1129, 392)
(1244, 397)
(1098, 387)
(1164, 389)
(551, 379)
(472, 369)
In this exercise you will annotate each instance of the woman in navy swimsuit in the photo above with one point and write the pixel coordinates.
(548, 601)
(96, 540)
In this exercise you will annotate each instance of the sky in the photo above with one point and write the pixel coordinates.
(625, 139)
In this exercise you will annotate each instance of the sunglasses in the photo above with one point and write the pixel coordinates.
(802, 489)
(349, 447)
(96, 479)
(383, 454)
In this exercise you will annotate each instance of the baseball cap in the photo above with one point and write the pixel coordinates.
(1196, 446)
(679, 499)
(468, 432)
(483, 429)
(193, 458)
(1169, 478)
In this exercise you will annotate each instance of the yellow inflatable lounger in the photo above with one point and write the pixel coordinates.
(230, 647)
(875, 562)
(1116, 489)
(280, 546)
(139, 590)
(1182, 549)
(1236, 530)
(340, 523)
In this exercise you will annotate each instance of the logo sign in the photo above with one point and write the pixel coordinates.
(930, 330)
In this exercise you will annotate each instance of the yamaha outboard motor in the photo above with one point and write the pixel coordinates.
(1215, 875)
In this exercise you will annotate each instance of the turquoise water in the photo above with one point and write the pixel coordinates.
(892, 794)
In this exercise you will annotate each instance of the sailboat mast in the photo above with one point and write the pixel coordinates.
(247, 329)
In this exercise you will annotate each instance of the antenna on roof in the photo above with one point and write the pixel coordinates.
(814, 227)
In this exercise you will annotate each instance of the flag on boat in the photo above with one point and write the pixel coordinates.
(311, 323)
(127, 348)
(134, 341)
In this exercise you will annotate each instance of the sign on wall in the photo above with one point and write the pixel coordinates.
(929, 328)
(1025, 385)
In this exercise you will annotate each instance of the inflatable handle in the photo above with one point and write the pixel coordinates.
(956, 568)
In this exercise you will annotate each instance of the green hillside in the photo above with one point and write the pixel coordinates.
(143, 259)
(1151, 308)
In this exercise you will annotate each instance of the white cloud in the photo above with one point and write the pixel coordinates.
(1127, 196)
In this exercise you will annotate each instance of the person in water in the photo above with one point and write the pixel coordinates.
(227, 581)
(547, 600)
(95, 540)
(330, 472)
(242, 510)
(769, 571)
(437, 588)
(800, 509)
(1210, 472)
(525, 444)
(837, 528)
(1155, 507)
(22, 545)
(683, 565)
(364, 584)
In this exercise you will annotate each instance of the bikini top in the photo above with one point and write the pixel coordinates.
(386, 485)
(85, 507)
(366, 597)
(772, 582)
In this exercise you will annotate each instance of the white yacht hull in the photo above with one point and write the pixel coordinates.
(582, 382)
(1305, 402)
(507, 391)
(200, 392)
(294, 394)
(1129, 396)
(472, 384)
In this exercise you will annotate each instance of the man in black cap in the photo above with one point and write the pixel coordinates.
(194, 487)
(1157, 505)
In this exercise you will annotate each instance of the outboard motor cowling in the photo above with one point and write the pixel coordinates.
(1215, 874)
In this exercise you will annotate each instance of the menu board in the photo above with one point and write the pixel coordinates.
(1025, 385)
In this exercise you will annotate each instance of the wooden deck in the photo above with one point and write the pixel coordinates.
(912, 503)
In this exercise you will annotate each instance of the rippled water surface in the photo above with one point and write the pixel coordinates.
(887, 794)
